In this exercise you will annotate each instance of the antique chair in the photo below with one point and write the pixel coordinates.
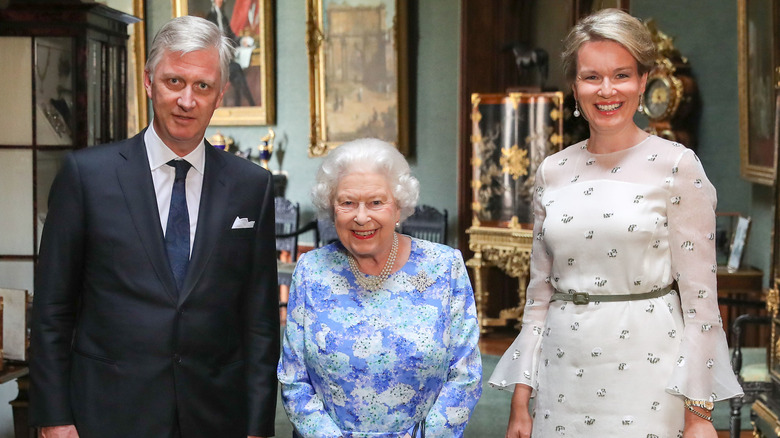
(326, 232)
(426, 223)
(286, 239)
(754, 380)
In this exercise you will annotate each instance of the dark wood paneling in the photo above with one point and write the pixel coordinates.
(487, 65)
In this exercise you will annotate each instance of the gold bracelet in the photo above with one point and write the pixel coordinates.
(699, 414)
(708, 405)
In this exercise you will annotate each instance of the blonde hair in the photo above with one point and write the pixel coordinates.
(612, 25)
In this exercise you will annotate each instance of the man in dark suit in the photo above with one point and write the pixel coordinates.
(156, 310)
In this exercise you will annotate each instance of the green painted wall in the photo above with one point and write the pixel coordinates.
(434, 161)
(706, 33)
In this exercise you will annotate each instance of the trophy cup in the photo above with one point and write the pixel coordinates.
(219, 141)
(266, 148)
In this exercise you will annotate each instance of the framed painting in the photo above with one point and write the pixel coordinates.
(138, 110)
(250, 96)
(357, 72)
(757, 106)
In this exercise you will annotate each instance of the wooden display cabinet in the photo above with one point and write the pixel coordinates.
(63, 77)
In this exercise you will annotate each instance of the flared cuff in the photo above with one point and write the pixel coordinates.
(520, 362)
(703, 369)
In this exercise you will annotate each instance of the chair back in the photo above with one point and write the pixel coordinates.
(326, 232)
(286, 223)
(426, 223)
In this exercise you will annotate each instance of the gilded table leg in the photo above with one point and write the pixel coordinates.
(521, 289)
(480, 294)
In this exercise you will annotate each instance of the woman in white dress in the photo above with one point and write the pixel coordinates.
(609, 346)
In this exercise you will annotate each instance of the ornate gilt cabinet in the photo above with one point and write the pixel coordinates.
(511, 135)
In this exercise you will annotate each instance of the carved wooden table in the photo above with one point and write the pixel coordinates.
(509, 249)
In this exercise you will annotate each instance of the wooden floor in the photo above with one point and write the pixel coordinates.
(497, 342)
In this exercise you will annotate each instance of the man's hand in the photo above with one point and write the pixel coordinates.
(59, 432)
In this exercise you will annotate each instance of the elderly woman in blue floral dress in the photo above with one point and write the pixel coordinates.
(381, 337)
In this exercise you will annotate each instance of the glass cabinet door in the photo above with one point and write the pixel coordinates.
(54, 91)
(63, 80)
(16, 127)
(16, 202)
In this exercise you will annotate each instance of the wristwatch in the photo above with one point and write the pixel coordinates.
(708, 405)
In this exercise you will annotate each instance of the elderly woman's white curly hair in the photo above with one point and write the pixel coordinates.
(365, 155)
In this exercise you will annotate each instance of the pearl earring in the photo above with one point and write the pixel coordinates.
(641, 108)
(576, 109)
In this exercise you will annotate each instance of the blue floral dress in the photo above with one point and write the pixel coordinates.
(357, 363)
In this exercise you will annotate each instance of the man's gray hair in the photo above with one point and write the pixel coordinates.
(188, 34)
(365, 155)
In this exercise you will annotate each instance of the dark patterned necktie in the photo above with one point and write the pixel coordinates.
(177, 233)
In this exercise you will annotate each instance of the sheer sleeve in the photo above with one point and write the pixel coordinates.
(703, 370)
(303, 405)
(519, 363)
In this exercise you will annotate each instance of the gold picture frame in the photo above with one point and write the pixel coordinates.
(250, 97)
(358, 72)
(757, 84)
(138, 109)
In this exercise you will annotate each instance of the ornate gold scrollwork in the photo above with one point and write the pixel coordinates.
(773, 299)
(555, 114)
(514, 161)
(508, 249)
(513, 261)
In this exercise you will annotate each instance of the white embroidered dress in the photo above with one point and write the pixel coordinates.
(626, 222)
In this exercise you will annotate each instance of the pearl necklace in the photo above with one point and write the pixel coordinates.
(373, 282)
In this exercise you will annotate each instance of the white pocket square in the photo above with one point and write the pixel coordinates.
(242, 222)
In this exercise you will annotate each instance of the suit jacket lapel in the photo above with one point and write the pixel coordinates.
(213, 204)
(135, 178)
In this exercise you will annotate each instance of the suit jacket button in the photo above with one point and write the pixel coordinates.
(177, 358)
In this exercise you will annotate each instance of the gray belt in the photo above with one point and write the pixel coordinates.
(585, 298)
